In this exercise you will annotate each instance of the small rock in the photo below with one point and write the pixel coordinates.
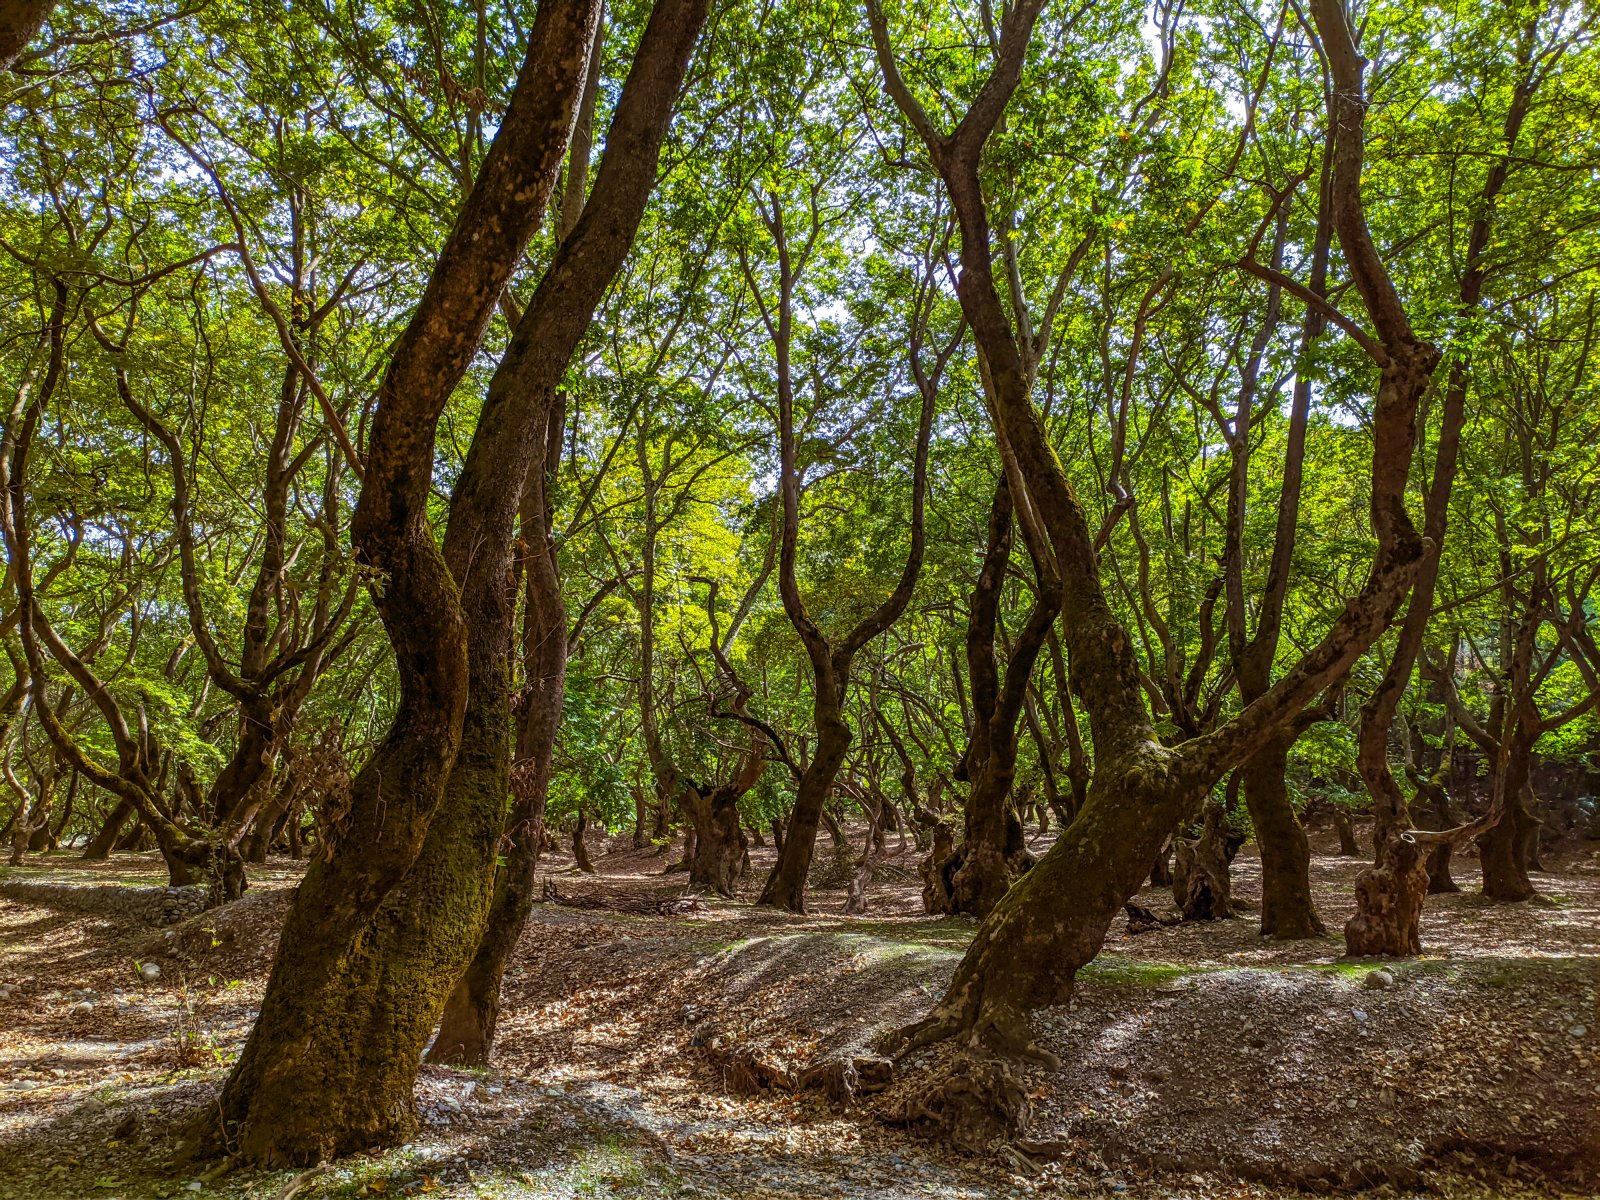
(149, 972)
(1359, 1014)
(1352, 1104)
(1579, 1031)
(82, 1008)
(194, 1185)
(1379, 980)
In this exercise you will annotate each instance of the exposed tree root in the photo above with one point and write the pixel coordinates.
(970, 1100)
(746, 1072)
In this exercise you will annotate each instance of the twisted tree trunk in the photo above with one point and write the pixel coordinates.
(387, 916)
(524, 412)
(994, 851)
(1055, 918)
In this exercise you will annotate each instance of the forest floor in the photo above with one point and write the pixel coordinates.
(1197, 1060)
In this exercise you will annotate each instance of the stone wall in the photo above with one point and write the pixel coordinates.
(148, 905)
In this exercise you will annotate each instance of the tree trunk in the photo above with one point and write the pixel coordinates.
(1502, 853)
(1202, 887)
(992, 856)
(994, 851)
(269, 821)
(1438, 815)
(720, 848)
(60, 830)
(786, 886)
(1348, 846)
(938, 869)
(1287, 910)
(580, 851)
(855, 902)
(1531, 835)
(387, 917)
(1055, 918)
(20, 20)
(471, 1015)
(1389, 903)
(1026, 952)
(1386, 922)
(835, 828)
(641, 838)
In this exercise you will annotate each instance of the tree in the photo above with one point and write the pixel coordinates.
(1054, 920)
(370, 931)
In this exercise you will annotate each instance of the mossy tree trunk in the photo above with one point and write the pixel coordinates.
(388, 915)
(524, 411)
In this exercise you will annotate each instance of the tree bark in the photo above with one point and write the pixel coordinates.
(1389, 897)
(994, 850)
(1026, 952)
(20, 21)
(523, 410)
(1348, 846)
(1202, 886)
(387, 916)
(1287, 909)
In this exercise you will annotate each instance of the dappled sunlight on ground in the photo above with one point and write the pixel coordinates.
(1194, 1057)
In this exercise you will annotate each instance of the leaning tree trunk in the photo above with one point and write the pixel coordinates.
(523, 411)
(100, 846)
(1062, 908)
(1026, 953)
(387, 916)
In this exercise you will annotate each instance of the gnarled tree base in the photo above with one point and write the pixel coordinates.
(969, 1100)
(971, 880)
(1389, 903)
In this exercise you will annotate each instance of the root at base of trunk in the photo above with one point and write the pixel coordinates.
(747, 1072)
(969, 1100)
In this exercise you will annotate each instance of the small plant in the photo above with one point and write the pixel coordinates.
(191, 1044)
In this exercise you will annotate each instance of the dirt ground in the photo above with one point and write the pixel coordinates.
(1197, 1060)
